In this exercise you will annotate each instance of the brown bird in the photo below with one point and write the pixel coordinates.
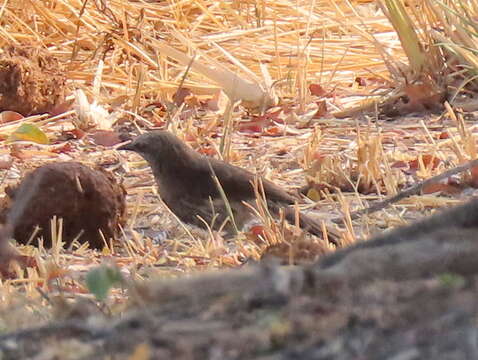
(187, 185)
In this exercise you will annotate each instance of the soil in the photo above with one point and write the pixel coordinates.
(409, 294)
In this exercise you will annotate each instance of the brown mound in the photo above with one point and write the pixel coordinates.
(31, 81)
(88, 200)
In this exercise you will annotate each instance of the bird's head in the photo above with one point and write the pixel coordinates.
(155, 145)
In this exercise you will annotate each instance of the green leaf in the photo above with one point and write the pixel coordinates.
(101, 279)
(29, 132)
(452, 280)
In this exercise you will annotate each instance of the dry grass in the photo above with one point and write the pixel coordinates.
(120, 54)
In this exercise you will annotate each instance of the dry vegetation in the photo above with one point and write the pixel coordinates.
(294, 64)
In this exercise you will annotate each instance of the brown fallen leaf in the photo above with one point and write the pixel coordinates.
(427, 159)
(63, 149)
(105, 137)
(321, 110)
(73, 134)
(8, 116)
(180, 95)
(317, 90)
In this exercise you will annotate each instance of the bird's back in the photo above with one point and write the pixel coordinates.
(239, 183)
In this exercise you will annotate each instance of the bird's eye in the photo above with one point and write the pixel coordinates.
(140, 146)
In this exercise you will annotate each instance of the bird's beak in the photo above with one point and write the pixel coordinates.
(128, 146)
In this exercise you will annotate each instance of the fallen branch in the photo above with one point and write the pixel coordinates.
(413, 190)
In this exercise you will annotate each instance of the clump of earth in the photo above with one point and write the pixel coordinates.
(32, 81)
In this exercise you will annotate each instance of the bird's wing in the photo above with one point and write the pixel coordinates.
(238, 184)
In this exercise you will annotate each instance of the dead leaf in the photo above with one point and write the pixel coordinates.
(8, 116)
(317, 90)
(273, 131)
(251, 128)
(400, 164)
(427, 159)
(259, 123)
(321, 109)
(63, 149)
(444, 135)
(208, 151)
(180, 95)
(105, 138)
(73, 134)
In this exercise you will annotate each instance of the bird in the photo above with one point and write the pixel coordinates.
(194, 186)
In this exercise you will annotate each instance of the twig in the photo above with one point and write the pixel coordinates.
(74, 52)
(414, 190)
(224, 198)
(183, 79)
